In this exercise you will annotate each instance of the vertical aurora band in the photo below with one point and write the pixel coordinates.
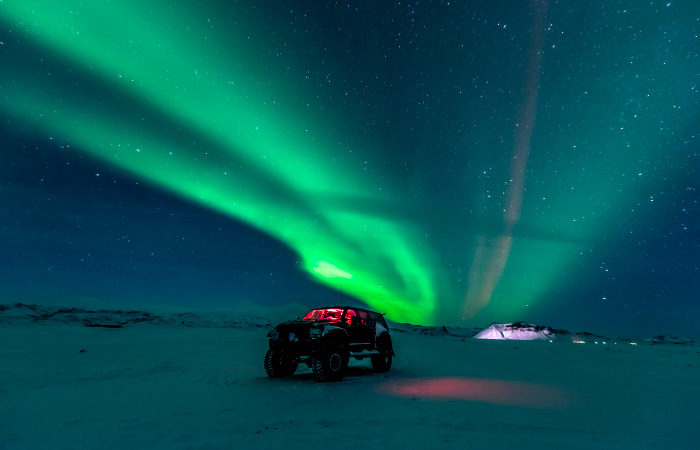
(494, 255)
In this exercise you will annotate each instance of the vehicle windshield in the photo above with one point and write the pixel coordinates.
(329, 314)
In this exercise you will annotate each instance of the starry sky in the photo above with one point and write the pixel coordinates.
(444, 162)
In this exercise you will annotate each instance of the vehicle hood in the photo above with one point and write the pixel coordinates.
(300, 329)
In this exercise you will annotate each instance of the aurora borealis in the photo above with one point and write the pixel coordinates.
(441, 162)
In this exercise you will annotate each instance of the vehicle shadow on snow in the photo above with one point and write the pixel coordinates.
(361, 372)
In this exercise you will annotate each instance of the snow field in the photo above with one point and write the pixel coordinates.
(65, 386)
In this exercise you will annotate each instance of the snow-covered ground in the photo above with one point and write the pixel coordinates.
(174, 380)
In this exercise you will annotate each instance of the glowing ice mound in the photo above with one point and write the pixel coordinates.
(518, 331)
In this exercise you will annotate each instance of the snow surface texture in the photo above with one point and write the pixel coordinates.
(74, 378)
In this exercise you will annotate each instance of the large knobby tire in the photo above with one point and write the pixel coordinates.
(330, 364)
(382, 362)
(278, 364)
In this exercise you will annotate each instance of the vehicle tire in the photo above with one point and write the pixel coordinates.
(330, 364)
(278, 364)
(382, 362)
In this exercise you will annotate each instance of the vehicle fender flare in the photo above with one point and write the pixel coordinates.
(335, 336)
(386, 337)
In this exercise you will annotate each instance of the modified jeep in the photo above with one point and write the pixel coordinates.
(325, 339)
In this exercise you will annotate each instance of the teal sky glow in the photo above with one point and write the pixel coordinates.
(445, 163)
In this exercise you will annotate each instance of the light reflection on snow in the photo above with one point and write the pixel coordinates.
(501, 392)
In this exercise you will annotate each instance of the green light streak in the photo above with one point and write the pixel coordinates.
(328, 270)
(260, 165)
(171, 64)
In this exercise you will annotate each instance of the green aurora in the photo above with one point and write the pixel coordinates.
(198, 101)
(261, 166)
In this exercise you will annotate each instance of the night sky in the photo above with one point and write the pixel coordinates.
(444, 162)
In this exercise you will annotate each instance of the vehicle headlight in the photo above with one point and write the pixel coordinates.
(292, 337)
(274, 335)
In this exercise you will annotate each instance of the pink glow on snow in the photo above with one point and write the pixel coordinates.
(501, 392)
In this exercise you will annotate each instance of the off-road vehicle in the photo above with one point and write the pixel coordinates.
(325, 339)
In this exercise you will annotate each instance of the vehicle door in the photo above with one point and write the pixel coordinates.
(360, 330)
